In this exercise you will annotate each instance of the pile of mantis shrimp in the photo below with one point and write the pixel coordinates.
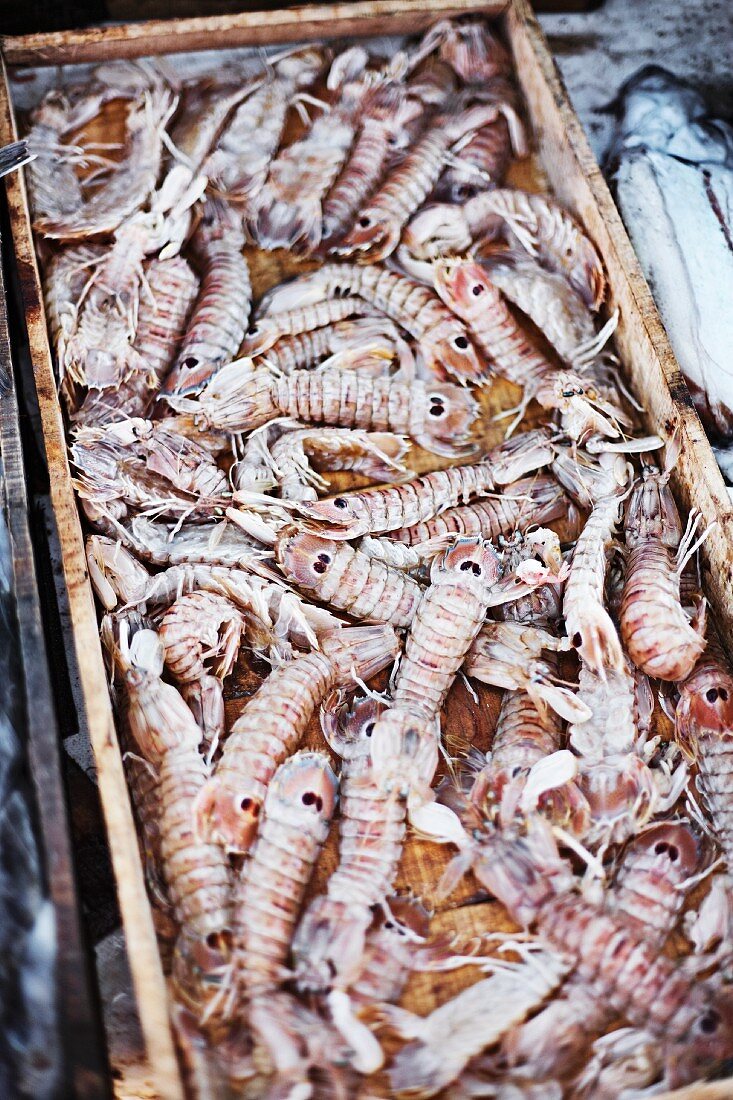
(246, 473)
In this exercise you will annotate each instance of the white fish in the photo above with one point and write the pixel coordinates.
(674, 186)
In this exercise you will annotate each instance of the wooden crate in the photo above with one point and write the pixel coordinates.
(566, 162)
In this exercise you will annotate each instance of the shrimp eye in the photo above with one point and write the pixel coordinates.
(670, 849)
(711, 695)
(465, 565)
(191, 362)
(388, 924)
(340, 502)
(577, 639)
(365, 221)
(253, 329)
(461, 342)
(568, 393)
(723, 694)
(369, 729)
(477, 289)
(709, 1022)
(437, 408)
(476, 569)
(308, 798)
(319, 567)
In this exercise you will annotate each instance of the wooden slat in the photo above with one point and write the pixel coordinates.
(144, 959)
(85, 1069)
(267, 28)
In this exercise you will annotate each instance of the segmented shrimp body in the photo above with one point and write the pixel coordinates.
(370, 343)
(388, 110)
(330, 942)
(274, 614)
(240, 161)
(336, 574)
(524, 738)
(297, 814)
(379, 227)
(465, 286)
(129, 465)
(446, 621)
(393, 508)
(531, 501)
(290, 210)
(659, 637)
(273, 722)
(116, 574)
(197, 629)
(296, 817)
(443, 338)
(588, 624)
(535, 223)
(56, 190)
(298, 456)
(648, 894)
(436, 415)
(467, 289)
(484, 160)
(690, 1018)
(395, 946)
(547, 299)
(703, 725)
(623, 792)
(129, 182)
(65, 275)
(305, 320)
(219, 320)
(162, 314)
(544, 229)
(195, 872)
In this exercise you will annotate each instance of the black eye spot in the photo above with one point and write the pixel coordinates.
(339, 502)
(365, 221)
(476, 569)
(577, 639)
(245, 804)
(672, 852)
(515, 772)
(465, 565)
(388, 924)
(461, 342)
(709, 1022)
(308, 798)
(369, 729)
(325, 558)
(723, 694)
(253, 329)
(191, 362)
(319, 567)
(711, 695)
(477, 289)
(319, 803)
